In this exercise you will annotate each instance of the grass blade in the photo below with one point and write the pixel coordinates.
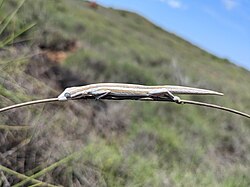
(1, 4)
(11, 38)
(49, 168)
(11, 17)
(21, 176)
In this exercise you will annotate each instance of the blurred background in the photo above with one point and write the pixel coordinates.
(220, 27)
(46, 46)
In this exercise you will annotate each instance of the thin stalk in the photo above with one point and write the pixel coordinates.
(135, 98)
(216, 107)
(28, 103)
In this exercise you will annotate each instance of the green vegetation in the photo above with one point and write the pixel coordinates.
(5, 24)
(92, 143)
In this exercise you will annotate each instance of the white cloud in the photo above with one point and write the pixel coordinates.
(229, 4)
(173, 3)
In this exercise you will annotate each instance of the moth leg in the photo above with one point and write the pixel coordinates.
(174, 98)
(164, 92)
(98, 94)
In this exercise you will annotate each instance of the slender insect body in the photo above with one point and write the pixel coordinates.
(134, 90)
(173, 89)
(118, 91)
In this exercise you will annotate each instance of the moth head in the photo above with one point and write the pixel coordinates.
(66, 94)
(70, 93)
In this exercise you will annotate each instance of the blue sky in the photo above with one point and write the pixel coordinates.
(221, 27)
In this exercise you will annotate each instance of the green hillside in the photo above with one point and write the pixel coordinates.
(115, 143)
